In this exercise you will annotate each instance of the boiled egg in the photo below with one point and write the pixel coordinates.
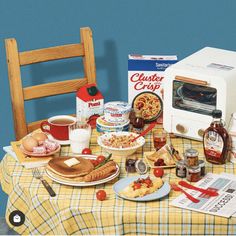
(29, 143)
(40, 137)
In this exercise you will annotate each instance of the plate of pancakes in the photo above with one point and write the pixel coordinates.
(83, 173)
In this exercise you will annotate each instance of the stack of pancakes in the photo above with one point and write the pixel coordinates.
(58, 168)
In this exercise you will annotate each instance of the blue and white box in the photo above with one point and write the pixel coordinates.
(146, 74)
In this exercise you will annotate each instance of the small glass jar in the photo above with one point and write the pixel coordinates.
(130, 165)
(191, 157)
(180, 169)
(193, 173)
(201, 164)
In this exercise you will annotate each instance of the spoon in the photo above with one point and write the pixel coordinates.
(149, 128)
(175, 187)
(205, 191)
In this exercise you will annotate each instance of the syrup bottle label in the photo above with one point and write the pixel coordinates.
(214, 144)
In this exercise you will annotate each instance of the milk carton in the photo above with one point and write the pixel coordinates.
(89, 103)
(145, 80)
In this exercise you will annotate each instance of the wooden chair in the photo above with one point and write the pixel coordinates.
(16, 60)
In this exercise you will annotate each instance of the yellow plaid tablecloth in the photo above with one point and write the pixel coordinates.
(75, 210)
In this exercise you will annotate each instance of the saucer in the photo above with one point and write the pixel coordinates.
(61, 142)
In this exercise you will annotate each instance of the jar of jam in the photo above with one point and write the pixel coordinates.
(130, 165)
(193, 173)
(191, 157)
(201, 164)
(180, 169)
(138, 123)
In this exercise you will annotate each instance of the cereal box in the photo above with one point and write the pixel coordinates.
(145, 83)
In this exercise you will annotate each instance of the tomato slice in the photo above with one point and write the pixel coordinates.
(137, 186)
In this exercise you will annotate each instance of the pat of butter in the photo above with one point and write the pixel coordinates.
(72, 162)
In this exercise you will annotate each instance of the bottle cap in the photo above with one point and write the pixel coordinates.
(216, 113)
(92, 91)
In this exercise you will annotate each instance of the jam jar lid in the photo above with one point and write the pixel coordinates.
(180, 163)
(201, 163)
(194, 168)
(191, 152)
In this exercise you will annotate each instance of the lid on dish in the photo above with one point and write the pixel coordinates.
(117, 107)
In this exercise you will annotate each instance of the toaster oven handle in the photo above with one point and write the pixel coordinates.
(191, 81)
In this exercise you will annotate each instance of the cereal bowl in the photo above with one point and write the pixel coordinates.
(120, 144)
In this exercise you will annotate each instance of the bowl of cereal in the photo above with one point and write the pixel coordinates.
(120, 143)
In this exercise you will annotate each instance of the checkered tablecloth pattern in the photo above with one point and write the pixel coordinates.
(75, 210)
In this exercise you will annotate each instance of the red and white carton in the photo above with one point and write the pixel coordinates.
(89, 102)
(146, 74)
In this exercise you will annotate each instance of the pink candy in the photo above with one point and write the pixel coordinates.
(50, 145)
(39, 150)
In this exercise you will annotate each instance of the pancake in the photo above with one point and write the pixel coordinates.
(57, 166)
(68, 179)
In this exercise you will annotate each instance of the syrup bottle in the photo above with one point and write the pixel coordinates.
(138, 122)
(216, 140)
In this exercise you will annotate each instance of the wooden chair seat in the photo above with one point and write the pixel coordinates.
(20, 94)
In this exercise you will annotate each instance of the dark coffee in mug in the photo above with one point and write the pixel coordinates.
(62, 121)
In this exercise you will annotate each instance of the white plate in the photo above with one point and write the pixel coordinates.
(83, 184)
(122, 183)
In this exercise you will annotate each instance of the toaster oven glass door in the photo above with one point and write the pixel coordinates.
(194, 98)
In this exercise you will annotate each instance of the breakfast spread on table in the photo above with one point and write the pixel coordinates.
(120, 132)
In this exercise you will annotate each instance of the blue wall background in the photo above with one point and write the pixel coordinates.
(119, 28)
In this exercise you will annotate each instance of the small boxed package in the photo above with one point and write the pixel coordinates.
(145, 84)
(89, 103)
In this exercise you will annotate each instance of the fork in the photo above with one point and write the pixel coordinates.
(38, 175)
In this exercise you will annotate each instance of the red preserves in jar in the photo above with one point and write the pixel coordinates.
(130, 165)
(191, 156)
(193, 173)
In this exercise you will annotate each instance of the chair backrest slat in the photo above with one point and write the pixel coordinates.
(16, 59)
(51, 89)
(49, 54)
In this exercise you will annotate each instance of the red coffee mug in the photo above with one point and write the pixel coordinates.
(57, 126)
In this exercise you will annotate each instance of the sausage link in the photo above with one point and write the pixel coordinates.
(101, 173)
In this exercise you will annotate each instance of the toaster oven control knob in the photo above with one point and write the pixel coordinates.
(201, 132)
(181, 129)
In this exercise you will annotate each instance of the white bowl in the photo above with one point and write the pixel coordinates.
(120, 152)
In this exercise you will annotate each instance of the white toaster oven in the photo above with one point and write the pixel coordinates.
(196, 85)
